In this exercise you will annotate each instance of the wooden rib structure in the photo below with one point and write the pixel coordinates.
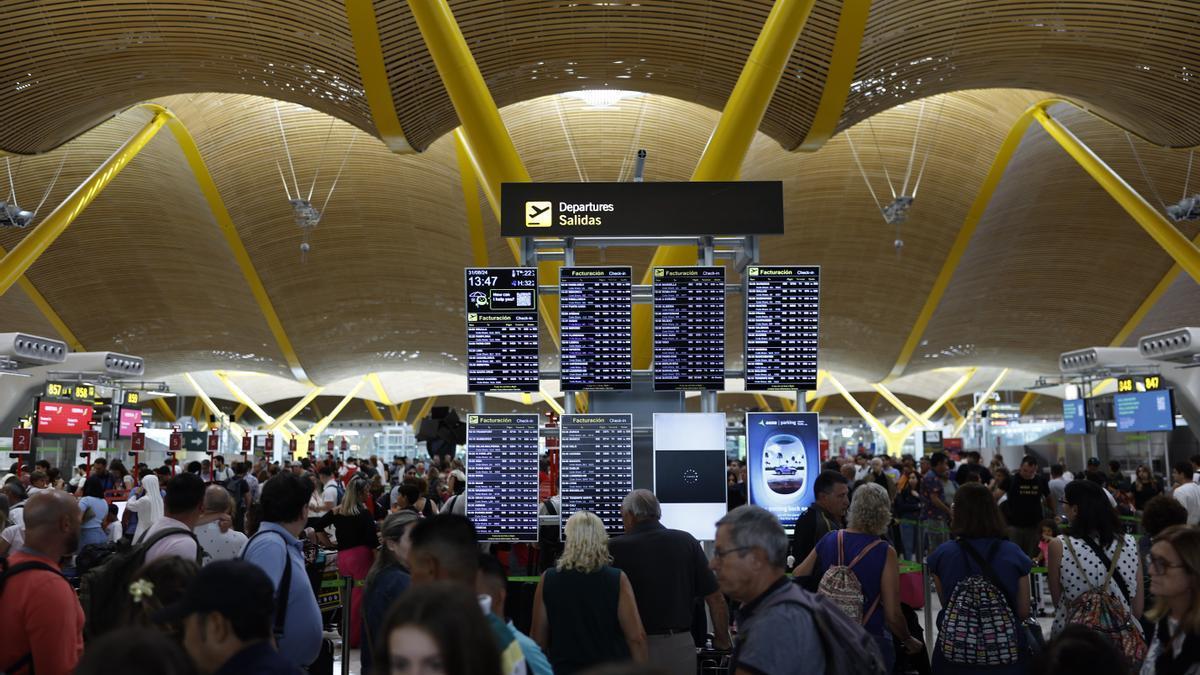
(1054, 264)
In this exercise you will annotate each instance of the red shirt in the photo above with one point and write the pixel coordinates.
(40, 613)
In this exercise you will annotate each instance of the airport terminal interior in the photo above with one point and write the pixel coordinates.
(517, 260)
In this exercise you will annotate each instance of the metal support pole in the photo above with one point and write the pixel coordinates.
(480, 403)
(801, 401)
(347, 592)
(706, 251)
(569, 402)
(569, 252)
(927, 584)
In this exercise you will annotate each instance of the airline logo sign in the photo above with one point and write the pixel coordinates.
(214, 442)
(641, 209)
(137, 442)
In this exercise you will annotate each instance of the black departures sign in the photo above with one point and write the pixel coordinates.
(734, 208)
(502, 329)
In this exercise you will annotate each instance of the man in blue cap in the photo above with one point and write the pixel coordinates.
(227, 615)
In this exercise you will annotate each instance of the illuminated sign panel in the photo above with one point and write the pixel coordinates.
(782, 315)
(596, 466)
(596, 321)
(502, 329)
(689, 328)
(502, 477)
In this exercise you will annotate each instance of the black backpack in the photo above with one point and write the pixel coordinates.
(8, 571)
(104, 590)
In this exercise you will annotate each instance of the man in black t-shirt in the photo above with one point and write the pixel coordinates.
(1028, 502)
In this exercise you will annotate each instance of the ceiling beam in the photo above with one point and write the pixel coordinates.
(470, 188)
(216, 205)
(987, 395)
(377, 385)
(319, 427)
(730, 141)
(372, 70)
(161, 404)
(243, 398)
(1185, 253)
(852, 25)
(17, 261)
(295, 410)
(212, 407)
(373, 410)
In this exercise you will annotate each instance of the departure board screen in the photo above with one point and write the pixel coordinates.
(689, 328)
(502, 329)
(782, 310)
(596, 466)
(502, 477)
(596, 319)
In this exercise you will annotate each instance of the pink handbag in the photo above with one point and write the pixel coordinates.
(912, 590)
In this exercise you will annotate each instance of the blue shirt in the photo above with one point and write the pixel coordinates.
(535, 658)
(952, 565)
(258, 658)
(301, 641)
(99, 509)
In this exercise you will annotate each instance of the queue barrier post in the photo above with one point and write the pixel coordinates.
(347, 592)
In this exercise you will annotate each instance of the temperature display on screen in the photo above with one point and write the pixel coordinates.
(502, 329)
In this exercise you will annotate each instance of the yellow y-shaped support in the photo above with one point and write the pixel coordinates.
(1185, 253)
(295, 410)
(212, 407)
(317, 428)
(368, 52)
(241, 397)
(894, 440)
(161, 404)
(726, 150)
(852, 24)
(987, 395)
(397, 415)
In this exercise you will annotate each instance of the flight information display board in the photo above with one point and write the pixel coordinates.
(502, 329)
(1075, 419)
(1144, 411)
(596, 466)
(782, 310)
(689, 328)
(502, 477)
(596, 320)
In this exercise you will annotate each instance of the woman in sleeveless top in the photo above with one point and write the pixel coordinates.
(976, 522)
(877, 570)
(584, 612)
(1073, 564)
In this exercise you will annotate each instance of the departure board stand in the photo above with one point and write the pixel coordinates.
(741, 251)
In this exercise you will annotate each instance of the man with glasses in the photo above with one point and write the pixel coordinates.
(774, 628)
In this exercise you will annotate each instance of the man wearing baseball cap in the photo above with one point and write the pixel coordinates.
(227, 615)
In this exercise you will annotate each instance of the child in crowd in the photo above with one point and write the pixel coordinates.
(1049, 529)
(112, 525)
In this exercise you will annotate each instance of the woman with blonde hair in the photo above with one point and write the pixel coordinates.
(584, 612)
(357, 540)
(1174, 563)
(862, 548)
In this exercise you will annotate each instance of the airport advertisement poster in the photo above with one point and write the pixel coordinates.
(783, 458)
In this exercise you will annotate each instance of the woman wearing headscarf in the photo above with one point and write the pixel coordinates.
(146, 503)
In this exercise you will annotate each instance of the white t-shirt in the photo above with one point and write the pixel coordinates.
(330, 492)
(14, 535)
(115, 532)
(220, 545)
(178, 545)
(222, 474)
(1188, 494)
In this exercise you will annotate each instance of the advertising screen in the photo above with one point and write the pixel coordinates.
(502, 477)
(689, 328)
(502, 328)
(783, 458)
(63, 418)
(1075, 416)
(130, 418)
(596, 316)
(782, 316)
(1144, 411)
(689, 471)
(596, 466)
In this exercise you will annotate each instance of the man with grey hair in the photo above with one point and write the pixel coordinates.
(776, 633)
(669, 573)
(219, 545)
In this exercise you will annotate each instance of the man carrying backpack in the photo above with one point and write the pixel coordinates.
(41, 620)
(183, 506)
(779, 620)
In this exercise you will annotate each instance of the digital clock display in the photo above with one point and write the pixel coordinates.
(502, 329)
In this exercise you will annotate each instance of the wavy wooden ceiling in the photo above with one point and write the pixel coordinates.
(73, 64)
(381, 289)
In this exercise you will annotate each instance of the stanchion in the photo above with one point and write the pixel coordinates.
(928, 587)
(347, 592)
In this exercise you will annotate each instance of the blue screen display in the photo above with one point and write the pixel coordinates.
(1144, 411)
(1075, 417)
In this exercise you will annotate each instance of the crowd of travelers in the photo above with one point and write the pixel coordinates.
(216, 568)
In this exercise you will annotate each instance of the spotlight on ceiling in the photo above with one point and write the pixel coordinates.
(897, 212)
(1188, 208)
(12, 215)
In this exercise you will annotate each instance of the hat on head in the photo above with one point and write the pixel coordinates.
(459, 475)
(233, 588)
(1094, 461)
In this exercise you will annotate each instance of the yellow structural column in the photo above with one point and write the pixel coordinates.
(1166, 235)
(368, 52)
(377, 384)
(296, 409)
(470, 188)
(161, 404)
(31, 247)
(319, 427)
(730, 141)
(241, 397)
(852, 24)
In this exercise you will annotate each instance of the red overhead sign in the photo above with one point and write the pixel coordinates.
(269, 443)
(22, 440)
(63, 418)
(245, 444)
(176, 443)
(214, 442)
(137, 441)
(91, 441)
